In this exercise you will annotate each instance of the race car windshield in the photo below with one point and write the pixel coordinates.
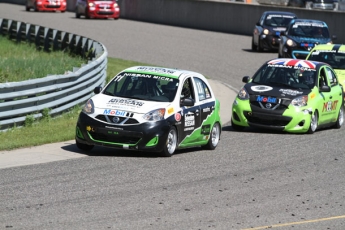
(285, 76)
(310, 31)
(143, 86)
(278, 20)
(336, 60)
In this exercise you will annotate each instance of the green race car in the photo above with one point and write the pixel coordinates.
(291, 95)
(334, 55)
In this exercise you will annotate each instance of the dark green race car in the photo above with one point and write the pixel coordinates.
(291, 95)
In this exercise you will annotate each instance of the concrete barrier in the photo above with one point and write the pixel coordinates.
(221, 16)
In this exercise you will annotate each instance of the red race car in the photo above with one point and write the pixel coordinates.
(97, 9)
(46, 5)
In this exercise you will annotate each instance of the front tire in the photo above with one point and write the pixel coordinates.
(214, 138)
(83, 147)
(313, 123)
(170, 144)
(340, 119)
(254, 47)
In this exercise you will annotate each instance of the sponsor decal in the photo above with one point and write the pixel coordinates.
(189, 120)
(110, 132)
(261, 88)
(156, 69)
(266, 99)
(189, 128)
(170, 110)
(128, 102)
(177, 116)
(329, 106)
(114, 112)
(205, 110)
(111, 127)
(290, 92)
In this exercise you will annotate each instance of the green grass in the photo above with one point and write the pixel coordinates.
(22, 61)
(46, 130)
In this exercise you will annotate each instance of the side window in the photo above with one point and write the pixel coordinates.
(187, 89)
(322, 78)
(332, 79)
(202, 91)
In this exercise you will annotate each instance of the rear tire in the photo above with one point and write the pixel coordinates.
(313, 123)
(340, 119)
(83, 147)
(214, 138)
(170, 143)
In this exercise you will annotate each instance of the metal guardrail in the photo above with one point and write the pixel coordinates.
(58, 93)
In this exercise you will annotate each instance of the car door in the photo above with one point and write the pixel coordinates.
(207, 105)
(331, 101)
(190, 113)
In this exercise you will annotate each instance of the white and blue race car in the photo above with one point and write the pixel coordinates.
(151, 109)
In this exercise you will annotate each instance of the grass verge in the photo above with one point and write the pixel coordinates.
(47, 130)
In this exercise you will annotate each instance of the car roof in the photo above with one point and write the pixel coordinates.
(162, 71)
(300, 63)
(308, 20)
(335, 47)
(279, 12)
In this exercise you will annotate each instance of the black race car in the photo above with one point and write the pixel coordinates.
(301, 36)
(267, 30)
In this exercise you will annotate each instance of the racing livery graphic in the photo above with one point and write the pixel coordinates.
(299, 96)
(151, 109)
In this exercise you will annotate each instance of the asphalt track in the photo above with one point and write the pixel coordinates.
(253, 180)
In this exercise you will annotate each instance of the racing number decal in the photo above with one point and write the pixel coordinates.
(329, 106)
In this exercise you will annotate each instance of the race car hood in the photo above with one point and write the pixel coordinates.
(298, 39)
(104, 102)
(273, 91)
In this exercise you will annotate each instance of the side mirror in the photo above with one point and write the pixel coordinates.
(325, 88)
(187, 102)
(97, 89)
(245, 79)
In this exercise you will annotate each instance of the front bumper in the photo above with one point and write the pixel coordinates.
(149, 136)
(97, 13)
(47, 7)
(270, 42)
(293, 119)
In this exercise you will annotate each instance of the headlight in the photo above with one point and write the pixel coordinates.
(115, 5)
(243, 94)
(329, 43)
(289, 42)
(91, 4)
(266, 31)
(155, 115)
(300, 101)
(89, 107)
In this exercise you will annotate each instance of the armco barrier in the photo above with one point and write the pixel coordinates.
(58, 93)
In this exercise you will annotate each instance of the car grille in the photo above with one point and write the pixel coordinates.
(53, 6)
(267, 119)
(117, 120)
(105, 12)
(114, 139)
